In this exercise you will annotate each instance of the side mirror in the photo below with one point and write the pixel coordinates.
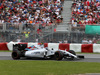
(52, 49)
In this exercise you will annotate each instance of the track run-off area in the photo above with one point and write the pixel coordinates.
(89, 57)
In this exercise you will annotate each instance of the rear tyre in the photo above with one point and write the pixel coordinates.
(59, 55)
(16, 55)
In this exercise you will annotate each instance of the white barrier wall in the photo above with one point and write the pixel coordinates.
(55, 46)
(95, 48)
(30, 44)
(10, 45)
(76, 47)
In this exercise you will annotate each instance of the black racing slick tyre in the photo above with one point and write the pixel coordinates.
(16, 55)
(73, 52)
(59, 55)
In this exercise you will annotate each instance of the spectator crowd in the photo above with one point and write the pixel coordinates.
(85, 12)
(91, 41)
(42, 12)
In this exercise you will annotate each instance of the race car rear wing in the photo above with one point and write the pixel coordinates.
(19, 47)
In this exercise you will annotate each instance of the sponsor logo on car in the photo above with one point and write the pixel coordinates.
(35, 53)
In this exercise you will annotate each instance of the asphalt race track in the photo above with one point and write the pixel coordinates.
(88, 57)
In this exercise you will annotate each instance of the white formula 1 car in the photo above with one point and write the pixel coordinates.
(38, 51)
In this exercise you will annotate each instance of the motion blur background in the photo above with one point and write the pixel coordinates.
(49, 21)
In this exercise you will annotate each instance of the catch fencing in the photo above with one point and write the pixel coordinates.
(28, 33)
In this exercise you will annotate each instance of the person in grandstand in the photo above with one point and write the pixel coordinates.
(18, 39)
(65, 41)
(84, 41)
(90, 41)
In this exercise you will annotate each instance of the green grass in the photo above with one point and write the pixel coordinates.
(35, 67)
(5, 51)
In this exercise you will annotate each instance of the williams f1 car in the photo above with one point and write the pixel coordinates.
(38, 51)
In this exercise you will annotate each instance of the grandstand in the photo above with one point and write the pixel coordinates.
(46, 20)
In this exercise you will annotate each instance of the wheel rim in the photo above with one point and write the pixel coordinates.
(14, 55)
(57, 55)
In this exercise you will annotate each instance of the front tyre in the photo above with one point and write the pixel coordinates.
(16, 55)
(72, 52)
(59, 55)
